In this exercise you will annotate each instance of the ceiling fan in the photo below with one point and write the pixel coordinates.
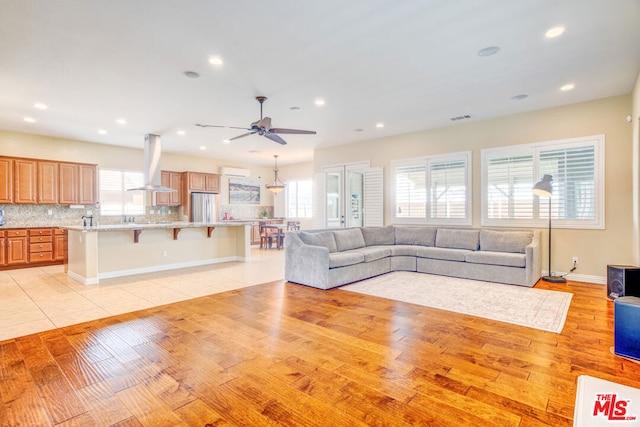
(262, 127)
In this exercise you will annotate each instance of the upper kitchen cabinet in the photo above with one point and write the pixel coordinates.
(6, 180)
(48, 182)
(24, 180)
(172, 180)
(77, 184)
(205, 182)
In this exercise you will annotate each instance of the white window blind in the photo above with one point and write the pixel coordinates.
(577, 168)
(434, 189)
(373, 197)
(299, 198)
(114, 197)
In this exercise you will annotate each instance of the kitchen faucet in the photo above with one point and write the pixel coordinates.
(84, 220)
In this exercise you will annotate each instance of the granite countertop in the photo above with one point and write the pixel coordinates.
(152, 226)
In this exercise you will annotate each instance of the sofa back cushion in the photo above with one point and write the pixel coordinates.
(321, 238)
(457, 238)
(379, 235)
(505, 241)
(351, 238)
(420, 236)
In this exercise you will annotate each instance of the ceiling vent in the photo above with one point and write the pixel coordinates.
(455, 119)
(234, 172)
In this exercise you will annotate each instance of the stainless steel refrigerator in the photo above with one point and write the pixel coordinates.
(203, 207)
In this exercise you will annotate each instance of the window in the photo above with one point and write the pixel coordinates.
(299, 196)
(433, 189)
(576, 165)
(114, 197)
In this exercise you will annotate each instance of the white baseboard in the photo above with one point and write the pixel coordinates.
(580, 277)
(82, 280)
(156, 268)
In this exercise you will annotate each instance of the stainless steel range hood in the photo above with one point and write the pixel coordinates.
(152, 173)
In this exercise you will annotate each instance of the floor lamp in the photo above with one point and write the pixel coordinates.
(544, 189)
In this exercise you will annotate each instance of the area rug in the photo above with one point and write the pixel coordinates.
(534, 308)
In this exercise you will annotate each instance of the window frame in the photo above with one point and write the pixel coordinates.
(289, 185)
(535, 149)
(123, 204)
(426, 161)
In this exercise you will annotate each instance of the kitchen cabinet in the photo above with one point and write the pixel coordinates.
(6, 180)
(172, 180)
(59, 244)
(40, 245)
(24, 180)
(3, 257)
(47, 182)
(197, 182)
(77, 184)
(17, 247)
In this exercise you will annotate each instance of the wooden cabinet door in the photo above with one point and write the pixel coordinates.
(68, 184)
(6, 180)
(47, 182)
(197, 181)
(175, 182)
(3, 243)
(162, 198)
(87, 185)
(59, 245)
(24, 180)
(17, 247)
(212, 182)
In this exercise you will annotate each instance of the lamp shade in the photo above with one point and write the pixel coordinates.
(543, 188)
(277, 185)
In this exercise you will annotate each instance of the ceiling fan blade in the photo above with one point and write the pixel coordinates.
(275, 138)
(292, 131)
(242, 136)
(218, 126)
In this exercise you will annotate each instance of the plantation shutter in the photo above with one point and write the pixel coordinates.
(448, 190)
(318, 205)
(373, 197)
(411, 191)
(509, 183)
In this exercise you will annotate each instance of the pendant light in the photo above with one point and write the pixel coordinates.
(277, 185)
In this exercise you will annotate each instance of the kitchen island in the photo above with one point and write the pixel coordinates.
(107, 251)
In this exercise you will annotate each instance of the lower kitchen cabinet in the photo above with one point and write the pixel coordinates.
(20, 248)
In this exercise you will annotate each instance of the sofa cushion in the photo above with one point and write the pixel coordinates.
(457, 238)
(421, 236)
(442, 253)
(322, 238)
(379, 235)
(372, 253)
(342, 259)
(496, 258)
(351, 238)
(505, 241)
(403, 250)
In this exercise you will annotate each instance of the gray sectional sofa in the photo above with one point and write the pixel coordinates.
(328, 258)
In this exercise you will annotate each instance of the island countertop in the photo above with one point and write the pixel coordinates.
(153, 225)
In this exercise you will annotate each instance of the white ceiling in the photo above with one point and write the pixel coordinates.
(411, 64)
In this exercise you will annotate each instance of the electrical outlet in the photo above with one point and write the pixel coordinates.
(575, 259)
(164, 253)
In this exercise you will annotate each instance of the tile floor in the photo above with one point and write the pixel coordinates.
(42, 298)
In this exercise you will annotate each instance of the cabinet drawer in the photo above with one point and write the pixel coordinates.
(40, 232)
(40, 239)
(58, 231)
(13, 233)
(41, 256)
(40, 247)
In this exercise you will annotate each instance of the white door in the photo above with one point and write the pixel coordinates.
(344, 195)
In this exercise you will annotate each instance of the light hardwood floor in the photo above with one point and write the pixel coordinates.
(285, 354)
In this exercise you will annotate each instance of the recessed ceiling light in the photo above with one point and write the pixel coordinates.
(191, 74)
(358, 130)
(295, 108)
(379, 125)
(519, 97)
(102, 131)
(567, 87)
(40, 106)
(554, 32)
(216, 60)
(202, 147)
(29, 120)
(488, 51)
(181, 133)
(226, 141)
(121, 121)
(319, 102)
